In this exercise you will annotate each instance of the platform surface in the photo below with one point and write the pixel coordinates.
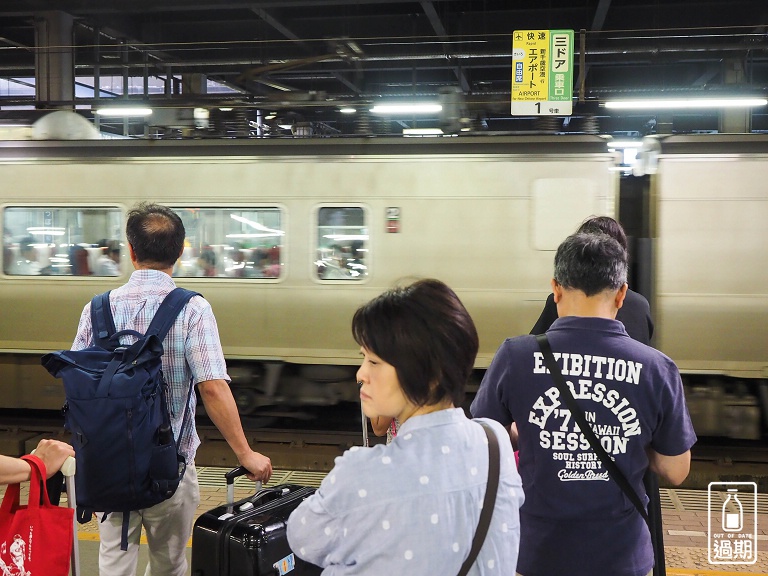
(684, 514)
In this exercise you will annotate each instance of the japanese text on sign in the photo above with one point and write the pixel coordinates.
(542, 79)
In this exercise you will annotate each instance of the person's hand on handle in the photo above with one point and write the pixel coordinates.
(259, 466)
(53, 453)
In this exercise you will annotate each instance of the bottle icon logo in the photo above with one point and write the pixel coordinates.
(732, 522)
(733, 513)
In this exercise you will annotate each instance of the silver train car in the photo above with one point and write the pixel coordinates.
(708, 208)
(287, 238)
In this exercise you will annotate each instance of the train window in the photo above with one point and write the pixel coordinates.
(232, 242)
(342, 243)
(62, 241)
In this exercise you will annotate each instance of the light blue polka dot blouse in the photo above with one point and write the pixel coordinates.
(412, 506)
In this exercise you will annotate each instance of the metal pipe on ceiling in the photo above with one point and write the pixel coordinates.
(624, 51)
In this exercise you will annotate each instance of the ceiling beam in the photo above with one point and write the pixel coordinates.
(277, 25)
(442, 33)
(597, 24)
(285, 31)
(600, 13)
(22, 8)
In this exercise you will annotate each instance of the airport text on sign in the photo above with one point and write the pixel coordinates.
(542, 79)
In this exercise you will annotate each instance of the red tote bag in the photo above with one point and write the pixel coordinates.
(36, 539)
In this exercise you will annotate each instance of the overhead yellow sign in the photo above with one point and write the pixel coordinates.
(542, 72)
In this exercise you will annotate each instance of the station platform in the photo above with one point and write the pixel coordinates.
(684, 513)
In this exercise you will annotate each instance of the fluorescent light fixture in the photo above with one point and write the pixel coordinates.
(422, 132)
(630, 156)
(128, 111)
(413, 108)
(45, 231)
(624, 144)
(254, 235)
(681, 103)
(275, 85)
(347, 110)
(340, 237)
(256, 225)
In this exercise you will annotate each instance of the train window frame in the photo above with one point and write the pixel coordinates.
(313, 248)
(283, 251)
(118, 240)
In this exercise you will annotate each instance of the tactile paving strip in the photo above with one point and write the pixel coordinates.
(684, 500)
(213, 488)
(696, 563)
(696, 500)
(212, 477)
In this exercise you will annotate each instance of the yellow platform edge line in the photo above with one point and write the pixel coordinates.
(700, 572)
(94, 537)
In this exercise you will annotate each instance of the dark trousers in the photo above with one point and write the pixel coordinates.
(651, 482)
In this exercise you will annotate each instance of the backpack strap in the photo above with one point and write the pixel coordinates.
(105, 334)
(102, 322)
(169, 309)
(161, 323)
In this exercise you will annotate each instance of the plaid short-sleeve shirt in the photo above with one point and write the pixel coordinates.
(192, 349)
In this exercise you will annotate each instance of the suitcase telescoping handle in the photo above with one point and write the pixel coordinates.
(230, 477)
(68, 470)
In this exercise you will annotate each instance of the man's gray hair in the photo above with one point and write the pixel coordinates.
(591, 263)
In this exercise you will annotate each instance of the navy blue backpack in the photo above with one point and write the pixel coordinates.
(116, 409)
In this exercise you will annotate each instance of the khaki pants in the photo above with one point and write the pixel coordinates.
(168, 527)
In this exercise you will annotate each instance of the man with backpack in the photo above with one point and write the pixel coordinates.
(192, 355)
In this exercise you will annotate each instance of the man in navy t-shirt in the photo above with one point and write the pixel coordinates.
(576, 520)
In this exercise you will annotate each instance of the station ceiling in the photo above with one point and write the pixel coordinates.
(308, 58)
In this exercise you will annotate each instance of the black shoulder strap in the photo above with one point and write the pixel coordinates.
(168, 311)
(102, 323)
(586, 429)
(491, 488)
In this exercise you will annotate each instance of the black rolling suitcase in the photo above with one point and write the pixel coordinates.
(247, 537)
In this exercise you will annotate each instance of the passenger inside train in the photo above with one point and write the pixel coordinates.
(239, 266)
(27, 263)
(108, 262)
(206, 263)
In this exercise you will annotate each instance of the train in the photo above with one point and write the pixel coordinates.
(286, 238)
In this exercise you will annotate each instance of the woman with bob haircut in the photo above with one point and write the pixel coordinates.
(412, 506)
